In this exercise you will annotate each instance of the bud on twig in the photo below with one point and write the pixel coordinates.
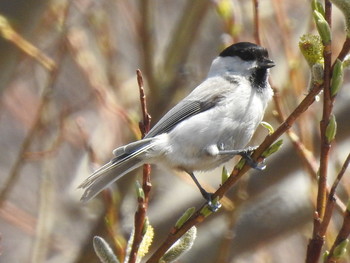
(340, 250)
(185, 216)
(323, 27)
(180, 247)
(317, 73)
(104, 251)
(268, 126)
(337, 77)
(139, 191)
(331, 129)
(207, 210)
(272, 149)
(312, 49)
(316, 5)
(224, 175)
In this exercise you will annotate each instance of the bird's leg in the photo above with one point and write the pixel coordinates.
(207, 196)
(246, 154)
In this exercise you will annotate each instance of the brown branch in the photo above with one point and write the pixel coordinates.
(325, 144)
(256, 22)
(317, 241)
(145, 125)
(140, 215)
(197, 217)
(332, 198)
(345, 49)
(345, 229)
(320, 227)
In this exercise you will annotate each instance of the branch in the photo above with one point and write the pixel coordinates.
(256, 22)
(332, 198)
(140, 215)
(53, 70)
(345, 229)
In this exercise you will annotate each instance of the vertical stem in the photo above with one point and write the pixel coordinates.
(256, 22)
(140, 215)
(327, 110)
(317, 241)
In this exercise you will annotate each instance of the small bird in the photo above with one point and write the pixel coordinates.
(205, 129)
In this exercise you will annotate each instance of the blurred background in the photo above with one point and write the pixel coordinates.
(69, 96)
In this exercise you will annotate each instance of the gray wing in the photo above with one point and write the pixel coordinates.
(180, 112)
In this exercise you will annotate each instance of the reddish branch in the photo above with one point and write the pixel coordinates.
(140, 215)
(345, 229)
(325, 204)
(317, 241)
(332, 198)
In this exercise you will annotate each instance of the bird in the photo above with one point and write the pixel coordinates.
(205, 129)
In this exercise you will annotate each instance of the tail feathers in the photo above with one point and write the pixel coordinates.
(106, 175)
(131, 147)
(112, 171)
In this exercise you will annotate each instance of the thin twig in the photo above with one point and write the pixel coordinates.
(146, 41)
(256, 22)
(332, 198)
(344, 232)
(7, 32)
(140, 215)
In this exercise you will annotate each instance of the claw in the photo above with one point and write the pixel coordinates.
(247, 157)
(212, 206)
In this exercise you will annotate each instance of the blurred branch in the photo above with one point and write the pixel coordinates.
(256, 22)
(146, 36)
(17, 166)
(178, 49)
(53, 69)
(11, 35)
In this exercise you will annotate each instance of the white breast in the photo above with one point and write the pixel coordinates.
(229, 125)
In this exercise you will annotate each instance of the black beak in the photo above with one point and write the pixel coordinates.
(266, 63)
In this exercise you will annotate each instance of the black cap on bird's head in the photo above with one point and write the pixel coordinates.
(249, 52)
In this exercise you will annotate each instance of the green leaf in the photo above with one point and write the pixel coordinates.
(185, 216)
(331, 129)
(267, 126)
(139, 191)
(224, 175)
(323, 28)
(272, 149)
(337, 77)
